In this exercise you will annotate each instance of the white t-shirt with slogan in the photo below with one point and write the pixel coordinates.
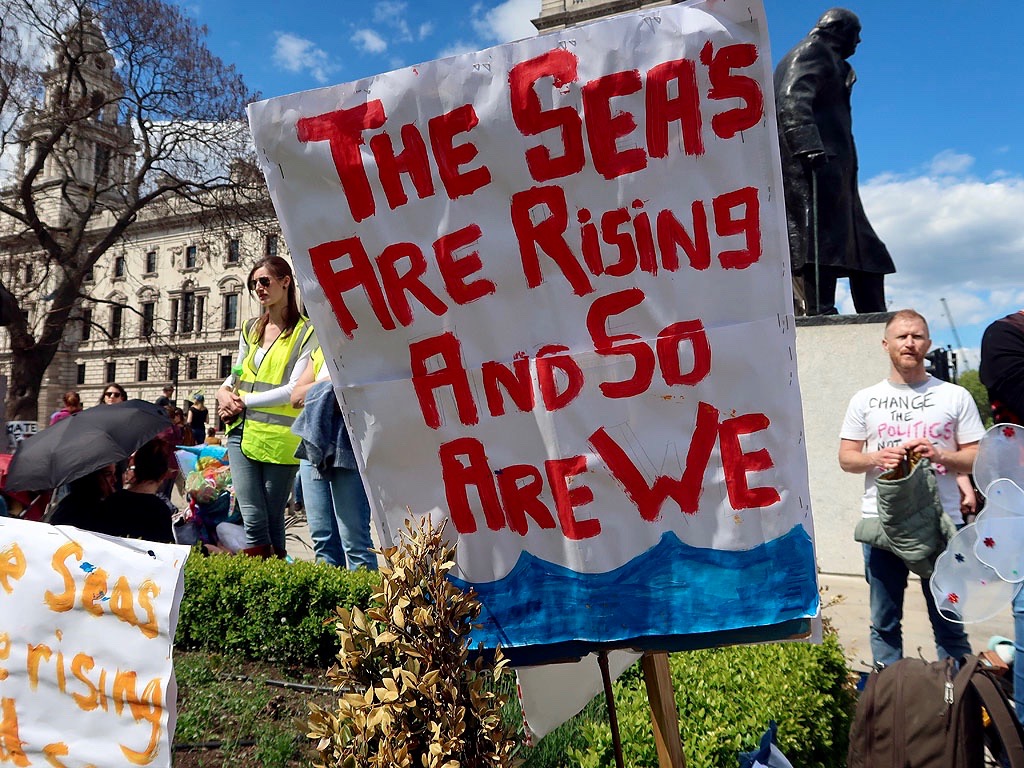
(890, 414)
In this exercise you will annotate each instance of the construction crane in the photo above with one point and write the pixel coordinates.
(956, 336)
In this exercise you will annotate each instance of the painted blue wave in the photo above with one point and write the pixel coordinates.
(671, 590)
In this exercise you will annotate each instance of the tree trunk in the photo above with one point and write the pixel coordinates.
(28, 366)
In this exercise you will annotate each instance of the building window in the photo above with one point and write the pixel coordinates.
(86, 324)
(234, 251)
(142, 370)
(116, 316)
(226, 362)
(271, 245)
(119, 266)
(80, 373)
(148, 315)
(190, 257)
(101, 165)
(175, 306)
(172, 369)
(200, 312)
(230, 316)
(188, 312)
(111, 371)
(192, 368)
(29, 273)
(150, 262)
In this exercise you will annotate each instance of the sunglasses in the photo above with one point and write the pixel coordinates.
(112, 394)
(264, 281)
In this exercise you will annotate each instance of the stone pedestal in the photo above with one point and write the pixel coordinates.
(836, 356)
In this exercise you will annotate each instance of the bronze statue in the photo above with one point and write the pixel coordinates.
(829, 234)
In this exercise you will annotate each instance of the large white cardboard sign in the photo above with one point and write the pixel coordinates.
(552, 282)
(86, 630)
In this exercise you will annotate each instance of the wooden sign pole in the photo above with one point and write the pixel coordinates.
(664, 715)
(613, 718)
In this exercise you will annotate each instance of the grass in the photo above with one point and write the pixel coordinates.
(228, 714)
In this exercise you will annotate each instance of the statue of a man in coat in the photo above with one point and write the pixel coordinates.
(829, 234)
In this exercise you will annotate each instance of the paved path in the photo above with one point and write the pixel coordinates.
(851, 612)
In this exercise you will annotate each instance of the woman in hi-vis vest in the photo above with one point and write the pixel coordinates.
(254, 401)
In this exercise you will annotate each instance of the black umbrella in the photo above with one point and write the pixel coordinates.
(82, 443)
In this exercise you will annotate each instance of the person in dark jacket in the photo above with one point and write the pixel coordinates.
(137, 512)
(1002, 367)
(78, 507)
(829, 233)
(1002, 373)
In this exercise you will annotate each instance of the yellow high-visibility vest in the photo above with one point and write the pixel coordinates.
(316, 359)
(267, 435)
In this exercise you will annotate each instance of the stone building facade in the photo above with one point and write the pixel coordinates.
(559, 14)
(166, 304)
(168, 307)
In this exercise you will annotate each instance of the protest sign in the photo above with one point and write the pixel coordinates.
(551, 279)
(18, 431)
(86, 630)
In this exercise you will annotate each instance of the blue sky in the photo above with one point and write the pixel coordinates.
(938, 117)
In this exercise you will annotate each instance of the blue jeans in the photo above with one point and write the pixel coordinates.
(338, 514)
(1018, 654)
(886, 575)
(261, 490)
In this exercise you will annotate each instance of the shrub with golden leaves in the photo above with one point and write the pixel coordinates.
(411, 696)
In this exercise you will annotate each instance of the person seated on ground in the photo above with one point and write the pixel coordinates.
(137, 512)
(181, 430)
(211, 437)
(79, 506)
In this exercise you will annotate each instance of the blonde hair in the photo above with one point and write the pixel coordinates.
(906, 314)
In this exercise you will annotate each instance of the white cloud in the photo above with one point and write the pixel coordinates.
(297, 54)
(948, 161)
(952, 237)
(8, 162)
(953, 229)
(369, 41)
(455, 47)
(392, 13)
(510, 20)
(390, 19)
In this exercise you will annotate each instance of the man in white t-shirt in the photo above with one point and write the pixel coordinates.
(910, 411)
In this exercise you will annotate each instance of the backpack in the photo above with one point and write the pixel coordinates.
(919, 714)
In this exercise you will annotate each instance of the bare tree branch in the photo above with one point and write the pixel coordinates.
(111, 112)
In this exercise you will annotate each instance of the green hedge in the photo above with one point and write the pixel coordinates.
(268, 610)
(274, 611)
(725, 698)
